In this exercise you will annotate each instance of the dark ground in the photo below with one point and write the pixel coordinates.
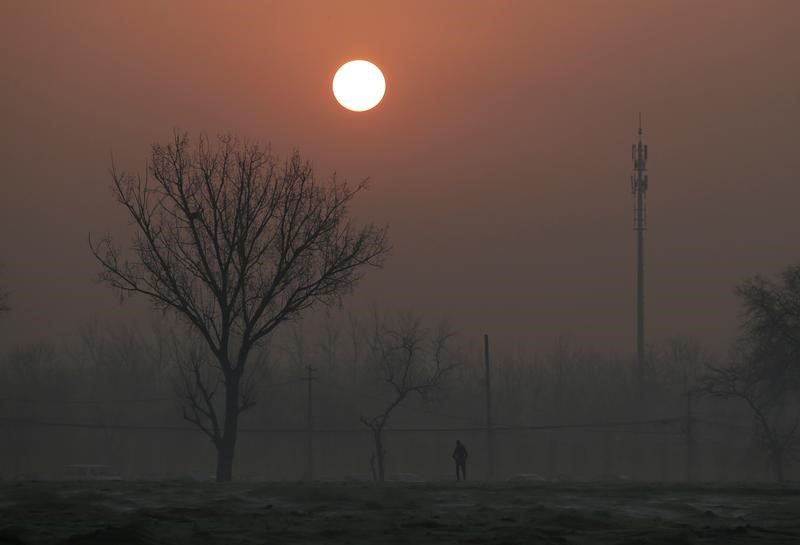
(394, 513)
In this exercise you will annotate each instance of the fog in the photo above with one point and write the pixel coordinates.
(111, 396)
(499, 158)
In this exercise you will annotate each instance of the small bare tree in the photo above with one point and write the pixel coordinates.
(235, 243)
(410, 360)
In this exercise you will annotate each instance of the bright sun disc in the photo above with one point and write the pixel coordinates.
(359, 85)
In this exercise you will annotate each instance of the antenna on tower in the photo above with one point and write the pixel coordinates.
(639, 181)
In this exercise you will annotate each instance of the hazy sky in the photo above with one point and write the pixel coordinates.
(500, 155)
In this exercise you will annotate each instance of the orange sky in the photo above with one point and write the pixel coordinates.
(499, 156)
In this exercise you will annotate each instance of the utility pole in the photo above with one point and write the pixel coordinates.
(559, 356)
(489, 431)
(639, 189)
(310, 427)
(689, 438)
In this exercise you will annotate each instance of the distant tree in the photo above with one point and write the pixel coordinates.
(677, 365)
(410, 360)
(124, 366)
(31, 374)
(234, 242)
(328, 343)
(4, 306)
(765, 371)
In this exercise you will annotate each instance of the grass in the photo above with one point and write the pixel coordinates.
(396, 513)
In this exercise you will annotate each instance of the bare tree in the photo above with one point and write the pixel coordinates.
(771, 325)
(410, 360)
(765, 373)
(775, 412)
(234, 242)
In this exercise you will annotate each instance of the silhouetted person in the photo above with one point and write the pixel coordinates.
(460, 456)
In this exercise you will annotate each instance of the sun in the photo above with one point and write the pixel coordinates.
(359, 85)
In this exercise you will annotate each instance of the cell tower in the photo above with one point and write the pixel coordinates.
(639, 189)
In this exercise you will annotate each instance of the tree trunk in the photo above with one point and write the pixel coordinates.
(226, 447)
(225, 451)
(777, 462)
(552, 458)
(372, 467)
(376, 435)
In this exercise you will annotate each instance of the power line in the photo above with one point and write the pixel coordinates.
(591, 427)
(68, 402)
(724, 424)
(65, 402)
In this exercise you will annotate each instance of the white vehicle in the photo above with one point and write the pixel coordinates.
(90, 472)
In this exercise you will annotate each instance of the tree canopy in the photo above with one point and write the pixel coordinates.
(235, 241)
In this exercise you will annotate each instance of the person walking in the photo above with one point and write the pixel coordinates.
(460, 456)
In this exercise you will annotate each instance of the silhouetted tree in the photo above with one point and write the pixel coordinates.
(765, 371)
(774, 411)
(235, 243)
(410, 360)
(771, 325)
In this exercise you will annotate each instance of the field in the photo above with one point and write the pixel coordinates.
(396, 513)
